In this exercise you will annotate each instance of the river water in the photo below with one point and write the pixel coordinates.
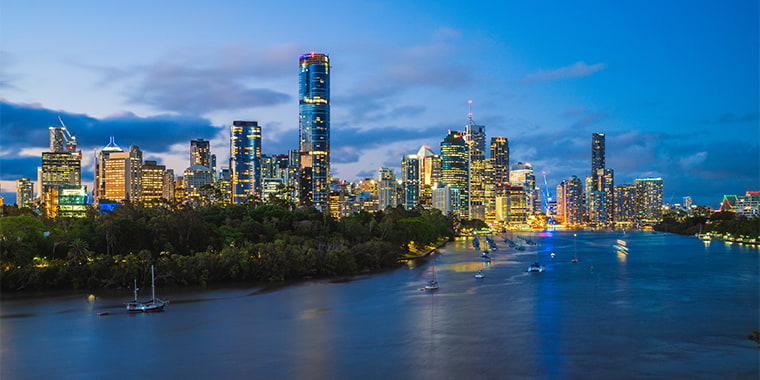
(674, 307)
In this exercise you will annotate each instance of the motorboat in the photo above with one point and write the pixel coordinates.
(621, 247)
(536, 267)
(480, 274)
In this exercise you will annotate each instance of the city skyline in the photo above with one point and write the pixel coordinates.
(674, 89)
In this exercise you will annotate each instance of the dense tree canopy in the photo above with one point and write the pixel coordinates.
(189, 245)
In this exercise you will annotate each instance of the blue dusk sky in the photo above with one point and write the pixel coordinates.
(673, 85)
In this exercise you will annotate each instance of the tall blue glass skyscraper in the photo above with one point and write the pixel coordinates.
(455, 168)
(245, 160)
(314, 129)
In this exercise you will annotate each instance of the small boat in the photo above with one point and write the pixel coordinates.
(432, 284)
(536, 267)
(485, 254)
(621, 247)
(103, 313)
(575, 249)
(154, 304)
(552, 255)
(480, 274)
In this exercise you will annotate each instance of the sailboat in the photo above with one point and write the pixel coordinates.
(575, 249)
(154, 304)
(433, 283)
(536, 267)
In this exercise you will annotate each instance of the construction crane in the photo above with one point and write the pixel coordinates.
(547, 198)
(70, 142)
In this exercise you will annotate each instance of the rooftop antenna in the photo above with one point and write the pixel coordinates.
(469, 111)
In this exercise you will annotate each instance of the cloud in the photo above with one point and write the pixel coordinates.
(732, 118)
(579, 69)
(196, 81)
(24, 127)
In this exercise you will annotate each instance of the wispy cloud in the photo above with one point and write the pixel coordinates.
(732, 118)
(196, 81)
(579, 69)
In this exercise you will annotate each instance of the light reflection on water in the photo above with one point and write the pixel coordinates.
(671, 308)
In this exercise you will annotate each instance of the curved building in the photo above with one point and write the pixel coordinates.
(314, 129)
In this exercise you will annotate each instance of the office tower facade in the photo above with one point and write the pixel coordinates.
(500, 159)
(455, 169)
(100, 168)
(169, 183)
(446, 198)
(386, 188)
(570, 201)
(597, 157)
(314, 129)
(200, 153)
(410, 178)
(198, 180)
(24, 192)
(121, 178)
(152, 182)
(648, 200)
(475, 136)
(61, 166)
(606, 181)
(625, 204)
(245, 161)
(521, 174)
(430, 174)
(72, 201)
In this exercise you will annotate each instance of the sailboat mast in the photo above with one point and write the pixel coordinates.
(153, 282)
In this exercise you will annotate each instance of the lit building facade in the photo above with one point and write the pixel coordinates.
(446, 198)
(245, 160)
(475, 136)
(198, 180)
(410, 178)
(200, 153)
(386, 189)
(314, 129)
(24, 192)
(152, 182)
(455, 169)
(120, 175)
(597, 156)
(430, 173)
(570, 201)
(625, 204)
(521, 174)
(648, 200)
(169, 184)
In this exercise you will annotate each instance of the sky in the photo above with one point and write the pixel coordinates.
(673, 86)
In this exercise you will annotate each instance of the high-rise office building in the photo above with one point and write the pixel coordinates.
(245, 160)
(386, 188)
(500, 159)
(570, 201)
(606, 180)
(410, 178)
(648, 200)
(521, 174)
(122, 175)
(597, 157)
(625, 204)
(314, 129)
(430, 173)
(99, 190)
(152, 181)
(24, 192)
(200, 153)
(197, 179)
(169, 185)
(62, 166)
(475, 136)
(455, 169)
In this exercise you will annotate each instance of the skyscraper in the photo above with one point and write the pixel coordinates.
(100, 169)
(62, 166)
(410, 177)
(597, 157)
(314, 129)
(475, 135)
(455, 169)
(122, 175)
(648, 200)
(152, 181)
(386, 188)
(245, 160)
(570, 201)
(200, 153)
(24, 192)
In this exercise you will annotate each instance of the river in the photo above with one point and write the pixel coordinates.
(673, 307)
